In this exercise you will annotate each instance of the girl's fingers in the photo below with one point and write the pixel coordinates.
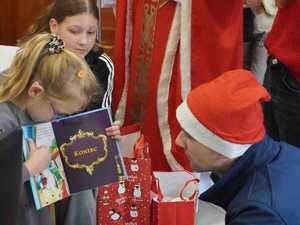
(117, 123)
(112, 128)
(113, 132)
(31, 145)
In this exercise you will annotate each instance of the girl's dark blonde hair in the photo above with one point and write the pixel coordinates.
(64, 76)
(59, 10)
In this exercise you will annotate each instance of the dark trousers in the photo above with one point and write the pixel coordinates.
(282, 113)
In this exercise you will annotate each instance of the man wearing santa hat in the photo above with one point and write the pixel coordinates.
(223, 132)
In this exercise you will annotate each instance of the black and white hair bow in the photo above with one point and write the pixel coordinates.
(56, 45)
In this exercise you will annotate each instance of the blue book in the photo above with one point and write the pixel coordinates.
(83, 156)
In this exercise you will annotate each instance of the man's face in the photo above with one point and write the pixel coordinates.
(201, 158)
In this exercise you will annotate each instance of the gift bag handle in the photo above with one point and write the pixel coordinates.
(158, 190)
(195, 180)
(141, 148)
(160, 195)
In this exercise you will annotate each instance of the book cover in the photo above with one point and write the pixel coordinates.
(83, 156)
(50, 185)
(90, 158)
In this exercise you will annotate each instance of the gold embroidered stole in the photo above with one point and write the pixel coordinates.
(144, 60)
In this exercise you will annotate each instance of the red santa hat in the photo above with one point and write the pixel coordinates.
(225, 114)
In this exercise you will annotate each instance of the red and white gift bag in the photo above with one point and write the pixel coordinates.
(128, 201)
(112, 204)
(174, 202)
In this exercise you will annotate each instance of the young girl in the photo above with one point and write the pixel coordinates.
(44, 80)
(76, 23)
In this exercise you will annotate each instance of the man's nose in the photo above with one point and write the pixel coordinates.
(178, 140)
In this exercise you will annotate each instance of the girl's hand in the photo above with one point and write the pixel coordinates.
(114, 130)
(39, 158)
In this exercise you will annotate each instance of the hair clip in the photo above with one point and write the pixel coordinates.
(82, 73)
(56, 45)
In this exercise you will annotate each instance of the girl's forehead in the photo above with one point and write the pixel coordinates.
(81, 19)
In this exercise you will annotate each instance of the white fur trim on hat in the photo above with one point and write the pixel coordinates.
(193, 127)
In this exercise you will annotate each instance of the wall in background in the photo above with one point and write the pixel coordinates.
(107, 26)
(16, 16)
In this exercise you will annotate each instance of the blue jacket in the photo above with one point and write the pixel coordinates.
(262, 187)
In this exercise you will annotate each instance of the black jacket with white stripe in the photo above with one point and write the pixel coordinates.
(103, 68)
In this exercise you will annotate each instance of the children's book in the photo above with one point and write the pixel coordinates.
(84, 157)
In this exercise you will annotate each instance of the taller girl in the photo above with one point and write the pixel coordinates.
(76, 22)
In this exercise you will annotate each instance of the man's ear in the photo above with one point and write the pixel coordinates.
(53, 25)
(36, 89)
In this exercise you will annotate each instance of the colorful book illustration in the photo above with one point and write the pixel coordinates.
(83, 156)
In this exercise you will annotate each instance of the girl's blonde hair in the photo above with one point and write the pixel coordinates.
(59, 10)
(64, 76)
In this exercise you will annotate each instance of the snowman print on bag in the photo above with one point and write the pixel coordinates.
(133, 211)
(106, 197)
(121, 188)
(114, 215)
(137, 192)
(134, 167)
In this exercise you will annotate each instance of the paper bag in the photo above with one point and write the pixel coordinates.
(174, 200)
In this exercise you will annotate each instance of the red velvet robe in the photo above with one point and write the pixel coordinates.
(162, 50)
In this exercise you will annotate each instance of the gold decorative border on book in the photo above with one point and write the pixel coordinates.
(83, 134)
